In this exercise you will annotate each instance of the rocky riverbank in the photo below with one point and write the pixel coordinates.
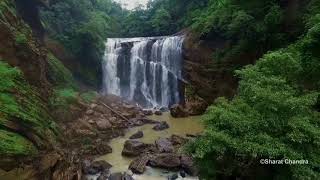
(85, 136)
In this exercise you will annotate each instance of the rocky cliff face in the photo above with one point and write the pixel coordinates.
(25, 123)
(208, 78)
(19, 47)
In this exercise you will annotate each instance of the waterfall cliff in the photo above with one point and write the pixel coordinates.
(144, 70)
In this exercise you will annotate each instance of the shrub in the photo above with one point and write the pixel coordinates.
(21, 39)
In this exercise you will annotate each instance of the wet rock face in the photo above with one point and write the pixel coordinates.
(178, 111)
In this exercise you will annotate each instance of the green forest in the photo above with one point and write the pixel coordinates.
(270, 49)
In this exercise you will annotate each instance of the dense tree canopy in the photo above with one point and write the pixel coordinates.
(82, 27)
(275, 113)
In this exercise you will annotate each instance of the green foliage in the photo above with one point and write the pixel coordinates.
(21, 39)
(13, 144)
(273, 116)
(251, 27)
(20, 106)
(82, 27)
(59, 75)
(161, 21)
(162, 17)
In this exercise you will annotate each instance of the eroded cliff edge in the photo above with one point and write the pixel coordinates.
(207, 78)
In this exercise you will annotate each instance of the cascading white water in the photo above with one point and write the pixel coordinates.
(145, 70)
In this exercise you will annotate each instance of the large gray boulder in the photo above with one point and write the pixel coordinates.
(133, 148)
(161, 126)
(137, 135)
(167, 161)
(95, 167)
(188, 165)
(138, 166)
(164, 145)
(178, 111)
(120, 176)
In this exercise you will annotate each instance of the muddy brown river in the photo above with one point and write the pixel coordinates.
(178, 126)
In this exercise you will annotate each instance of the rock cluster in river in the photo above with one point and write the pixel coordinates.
(163, 154)
(93, 125)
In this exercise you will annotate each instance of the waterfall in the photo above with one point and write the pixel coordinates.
(144, 70)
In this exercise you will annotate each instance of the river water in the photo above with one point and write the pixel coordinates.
(178, 126)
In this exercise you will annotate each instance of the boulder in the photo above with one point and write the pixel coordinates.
(101, 165)
(188, 165)
(103, 148)
(173, 177)
(147, 112)
(137, 135)
(95, 167)
(103, 124)
(97, 115)
(92, 106)
(91, 121)
(86, 166)
(161, 126)
(183, 174)
(89, 112)
(115, 176)
(142, 121)
(178, 111)
(127, 177)
(138, 166)
(104, 175)
(167, 161)
(120, 176)
(164, 145)
(100, 109)
(196, 106)
(158, 112)
(178, 140)
(164, 109)
(113, 120)
(133, 148)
